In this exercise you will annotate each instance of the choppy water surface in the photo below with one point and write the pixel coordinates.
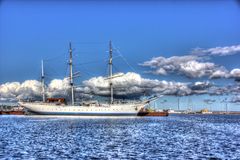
(173, 137)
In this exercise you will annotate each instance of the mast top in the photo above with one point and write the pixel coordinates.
(70, 50)
(110, 72)
(110, 54)
(42, 69)
(70, 45)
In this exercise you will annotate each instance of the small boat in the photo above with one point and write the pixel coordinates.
(147, 112)
(13, 111)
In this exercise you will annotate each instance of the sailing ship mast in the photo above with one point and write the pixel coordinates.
(110, 72)
(43, 83)
(71, 72)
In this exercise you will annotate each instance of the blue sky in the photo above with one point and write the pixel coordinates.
(35, 30)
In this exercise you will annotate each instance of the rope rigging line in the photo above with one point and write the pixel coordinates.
(55, 58)
(95, 61)
(124, 59)
(52, 71)
(116, 68)
(99, 43)
(90, 62)
(86, 72)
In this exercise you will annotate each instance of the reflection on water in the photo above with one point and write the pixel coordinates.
(175, 137)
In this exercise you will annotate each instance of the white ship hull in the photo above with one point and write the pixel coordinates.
(93, 110)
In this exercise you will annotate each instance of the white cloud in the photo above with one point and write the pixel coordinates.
(218, 51)
(232, 89)
(190, 66)
(201, 87)
(9, 90)
(32, 89)
(221, 73)
(132, 84)
(161, 71)
(13, 90)
(195, 69)
(58, 87)
(235, 73)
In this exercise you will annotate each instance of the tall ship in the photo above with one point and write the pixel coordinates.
(53, 106)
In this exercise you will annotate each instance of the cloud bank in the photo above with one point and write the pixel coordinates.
(130, 85)
(190, 66)
(58, 88)
(15, 90)
(218, 51)
(32, 89)
(235, 73)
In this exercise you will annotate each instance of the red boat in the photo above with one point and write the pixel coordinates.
(148, 112)
(13, 111)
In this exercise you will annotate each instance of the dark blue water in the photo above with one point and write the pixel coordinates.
(173, 137)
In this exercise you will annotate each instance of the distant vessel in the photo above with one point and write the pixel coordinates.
(205, 111)
(86, 109)
(12, 111)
